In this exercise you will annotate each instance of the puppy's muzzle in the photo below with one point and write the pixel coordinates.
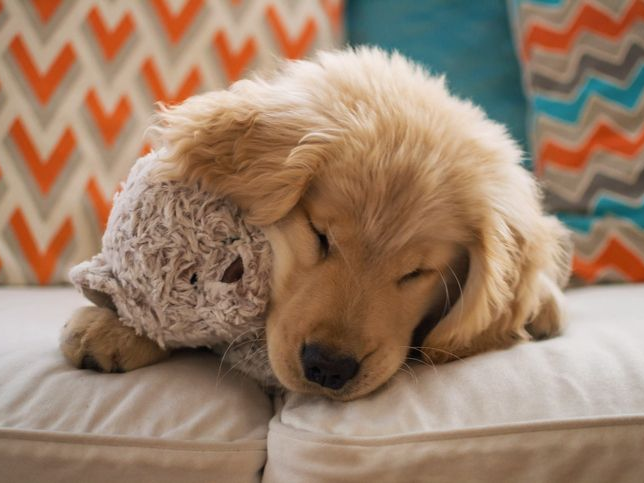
(321, 366)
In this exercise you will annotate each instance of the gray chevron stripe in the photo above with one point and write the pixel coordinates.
(556, 17)
(70, 255)
(633, 236)
(590, 65)
(600, 185)
(14, 247)
(110, 154)
(597, 108)
(44, 113)
(237, 11)
(561, 16)
(572, 184)
(563, 65)
(606, 275)
(94, 231)
(3, 187)
(44, 203)
(589, 245)
(62, 264)
(610, 275)
(175, 51)
(45, 30)
(110, 69)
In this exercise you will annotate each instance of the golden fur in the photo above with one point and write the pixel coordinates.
(422, 198)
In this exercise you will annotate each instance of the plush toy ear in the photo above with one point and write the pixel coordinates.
(254, 144)
(100, 299)
(94, 278)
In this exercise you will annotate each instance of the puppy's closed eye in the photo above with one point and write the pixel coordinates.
(323, 240)
(413, 275)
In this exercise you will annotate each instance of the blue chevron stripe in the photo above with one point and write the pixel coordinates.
(576, 222)
(569, 111)
(606, 207)
(547, 3)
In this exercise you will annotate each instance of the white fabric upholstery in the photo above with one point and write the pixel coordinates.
(174, 421)
(565, 409)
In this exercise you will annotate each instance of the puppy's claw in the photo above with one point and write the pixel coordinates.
(88, 362)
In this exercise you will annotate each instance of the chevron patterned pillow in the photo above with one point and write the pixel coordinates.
(78, 81)
(583, 72)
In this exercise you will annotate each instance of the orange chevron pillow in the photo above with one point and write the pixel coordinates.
(78, 81)
(584, 80)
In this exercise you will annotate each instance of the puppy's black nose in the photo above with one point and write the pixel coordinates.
(323, 367)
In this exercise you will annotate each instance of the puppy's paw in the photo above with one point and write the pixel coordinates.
(94, 338)
(549, 321)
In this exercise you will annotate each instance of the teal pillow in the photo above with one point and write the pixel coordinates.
(467, 40)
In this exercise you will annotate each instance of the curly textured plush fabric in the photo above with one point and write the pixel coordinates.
(171, 265)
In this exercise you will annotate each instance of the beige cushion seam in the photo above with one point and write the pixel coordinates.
(129, 442)
(505, 430)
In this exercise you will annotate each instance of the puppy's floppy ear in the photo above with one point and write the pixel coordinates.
(256, 148)
(515, 249)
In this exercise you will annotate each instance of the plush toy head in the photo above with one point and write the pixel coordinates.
(180, 266)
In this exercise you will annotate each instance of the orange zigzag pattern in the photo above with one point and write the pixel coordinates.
(46, 8)
(334, 10)
(615, 255)
(234, 63)
(176, 25)
(101, 204)
(110, 125)
(110, 41)
(44, 171)
(45, 84)
(589, 18)
(159, 92)
(291, 48)
(42, 263)
(603, 137)
(136, 47)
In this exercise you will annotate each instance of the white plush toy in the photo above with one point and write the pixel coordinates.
(181, 267)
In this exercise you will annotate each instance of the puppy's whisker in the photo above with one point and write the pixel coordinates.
(407, 369)
(443, 351)
(230, 346)
(421, 361)
(448, 303)
(403, 368)
(423, 350)
(250, 341)
(462, 296)
(244, 359)
(425, 363)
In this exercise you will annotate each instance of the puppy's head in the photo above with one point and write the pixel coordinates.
(398, 215)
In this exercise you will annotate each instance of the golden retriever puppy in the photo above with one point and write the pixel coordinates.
(399, 216)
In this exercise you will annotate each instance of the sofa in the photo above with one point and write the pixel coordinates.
(565, 409)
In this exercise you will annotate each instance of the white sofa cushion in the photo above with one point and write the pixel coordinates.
(565, 409)
(174, 421)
